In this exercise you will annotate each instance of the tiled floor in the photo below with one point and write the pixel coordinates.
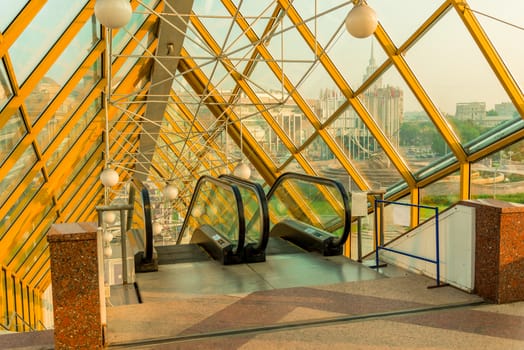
(304, 301)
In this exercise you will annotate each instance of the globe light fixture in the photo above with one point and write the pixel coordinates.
(109, 177)
(157, 228)
(197, 211)
(242, 170)
(108, 251)
(109, 217)
(113, 13)
(171, 192)
(361, 21)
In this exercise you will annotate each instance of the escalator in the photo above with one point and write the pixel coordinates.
(308, 212)
(214, 227)
(232, 221)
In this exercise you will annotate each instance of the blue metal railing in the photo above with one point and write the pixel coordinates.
(381, 245)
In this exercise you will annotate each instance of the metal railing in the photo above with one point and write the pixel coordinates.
(381, 245)
(13, 324)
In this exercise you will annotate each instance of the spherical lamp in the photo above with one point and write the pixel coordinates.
(109, 217)
(197, 211)
(361, 21)
(243, 171)
(109, 177)
(113, 13)
(170, 192)
(157, 228)
(108, 251)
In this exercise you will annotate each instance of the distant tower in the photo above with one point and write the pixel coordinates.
(371, 68)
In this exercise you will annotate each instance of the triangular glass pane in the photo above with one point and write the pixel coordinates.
(461, 85)
(215, 18)
(363, 150)
(324, 18)
(258, 14)
(294, 167)
(503, 25)
(365, 56)
(268, 87)
(40, 35)
(404, 122)
(401, 28)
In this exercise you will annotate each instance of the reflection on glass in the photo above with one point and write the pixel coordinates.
(17, 172)
(214, 206)
(441, 194)
(6, 91)
(75, 98)
(10, 134)
(500, 175)
(21, 204)
(70, 139)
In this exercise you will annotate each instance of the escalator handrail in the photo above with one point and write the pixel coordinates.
(148, 224)
(259, 191)
(239, 202)
(322, 181)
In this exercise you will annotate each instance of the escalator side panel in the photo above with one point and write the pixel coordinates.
(307, 237)
(216, 245)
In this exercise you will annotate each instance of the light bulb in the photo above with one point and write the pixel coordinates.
(113, 13)
(157, 228)
(171, 192)
(361, 21)
(109, 177)
(109, 217)
(197, 211)
(243, 171)
(108, 237)
(108, 251)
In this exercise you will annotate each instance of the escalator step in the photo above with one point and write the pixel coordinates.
(175, 254)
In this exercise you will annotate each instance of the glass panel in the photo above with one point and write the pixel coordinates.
(10, 8)
(75, 98)
(441, 194)
(462, 85)
(10, 135)
(366, 56)
(400, 28)
(214, 206)
(61, 71)
(67, 144)
(130, 62)
(40, 35)
(319, 205)
(17, 173)
(6, 91)
(500, 175)
(78, 174)
(503, 25)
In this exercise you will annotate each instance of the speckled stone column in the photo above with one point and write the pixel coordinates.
(78, 299)
(499, 251)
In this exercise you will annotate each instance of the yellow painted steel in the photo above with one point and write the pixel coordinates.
(465, 181)
(414, 212)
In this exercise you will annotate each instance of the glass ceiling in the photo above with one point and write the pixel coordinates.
(199, 86)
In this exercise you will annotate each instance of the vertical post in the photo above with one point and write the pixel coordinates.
(438, 246)
(359, 238)
(77, 279)
(376, 235)
(381, 218)
(123, 244)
